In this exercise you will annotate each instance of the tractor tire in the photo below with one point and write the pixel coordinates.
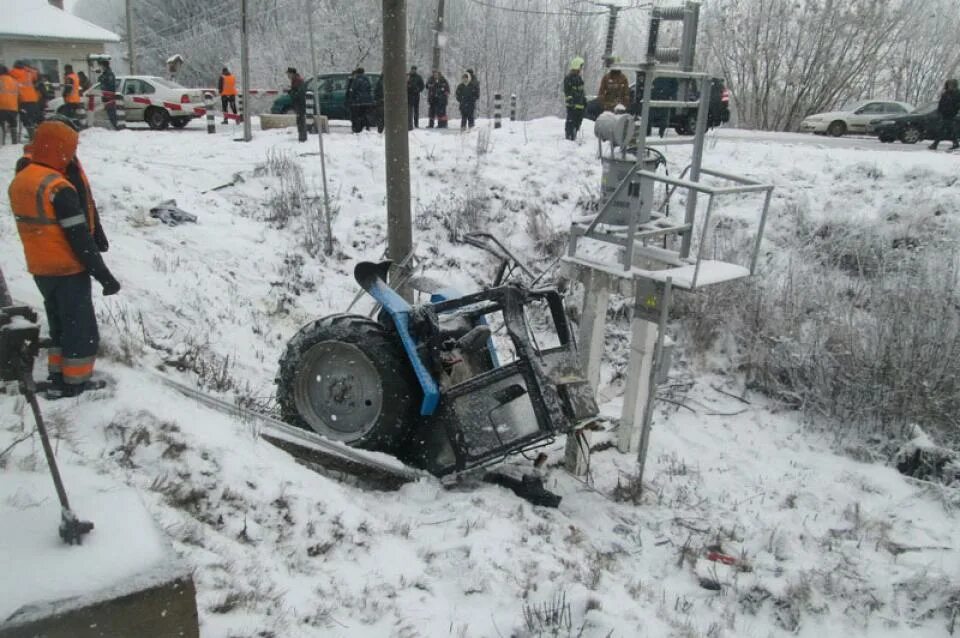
(348, 379)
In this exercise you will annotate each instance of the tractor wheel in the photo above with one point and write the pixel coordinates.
(347, 378)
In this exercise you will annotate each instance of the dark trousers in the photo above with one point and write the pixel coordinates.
(574, 120)
(28, 116)
(438, 111)
(225, 101)
(8, 128)
(413, 112)
(73, 326)
(946, 131)
(302, 122)
(467, 115)
(360, 117)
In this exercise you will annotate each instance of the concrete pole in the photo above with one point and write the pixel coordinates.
(593, 323)
(437, 31)
(640, 388)
(328, 242)
(245, 70)
(396, 142)
(130, 52)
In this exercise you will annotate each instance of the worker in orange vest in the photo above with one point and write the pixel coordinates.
(27, 95)
(9, 104)
(71, 90)
(58, 227)
(227, 87)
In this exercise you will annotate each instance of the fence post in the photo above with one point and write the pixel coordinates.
(211, 120)
(497, 108)
(513, 107)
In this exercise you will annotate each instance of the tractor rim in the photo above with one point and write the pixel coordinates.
(338, 391)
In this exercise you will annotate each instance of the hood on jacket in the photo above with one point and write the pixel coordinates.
(54, 145)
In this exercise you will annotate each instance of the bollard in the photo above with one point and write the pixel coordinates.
(241, 111)
(211, 119)
(121, 107)
(312, 111)
(497, 107)
(513, 107)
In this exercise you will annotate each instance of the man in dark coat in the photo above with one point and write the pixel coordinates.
(108, 86)
(468, 102)
(438, 92)
(575, 98)
(298, 95)
(415, 87)
(360, 100)
(948, 108)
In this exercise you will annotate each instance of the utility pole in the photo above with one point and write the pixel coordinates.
(244, 70)
(397, 146)
(438, 37)
(328, 243)
(130, 56)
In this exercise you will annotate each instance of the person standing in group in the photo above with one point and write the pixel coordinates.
(110, 92)
(27, 96)
(575, 98)
(71, 90)
(468, 103)
(227, 88)
(9, 104)
(298, 95)
(359, 100)
(438, 92)
(614, 89)
(474, 87)
(58, 227)
(947, 109)
(415, 87)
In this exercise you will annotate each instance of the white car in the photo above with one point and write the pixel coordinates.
(157, 101)
(853, 120)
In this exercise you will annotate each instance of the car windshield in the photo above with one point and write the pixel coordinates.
(169, 84)
(926, 108)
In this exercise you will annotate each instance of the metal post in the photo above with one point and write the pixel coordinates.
(396, 142)
(245, 70)
(437, 37)
(639, 391)
(497, 108)
(328, 243)
(695, 163)
(130, 51)
(311, 107)
(240, 110)
(652, 382)
(211, 120)
(513, 107)
(121, 106)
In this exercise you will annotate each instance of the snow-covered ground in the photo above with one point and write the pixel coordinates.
(823, 545)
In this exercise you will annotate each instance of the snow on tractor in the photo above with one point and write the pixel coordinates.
(431, 384)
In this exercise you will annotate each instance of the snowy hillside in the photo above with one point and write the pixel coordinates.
(822, 545)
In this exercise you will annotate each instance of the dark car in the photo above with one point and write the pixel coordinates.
(332, 94)
(922, 123)
(683, 121)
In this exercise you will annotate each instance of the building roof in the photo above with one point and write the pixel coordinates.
(38, 19)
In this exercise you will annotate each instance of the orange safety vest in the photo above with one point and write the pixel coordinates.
(26, 90)
(74, 96)
(9, 92)
(229, 85)
(45, 244)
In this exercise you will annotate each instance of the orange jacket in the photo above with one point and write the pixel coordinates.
(614, 90)
(73, 97)
(9, 92)
(45, 245)
(27, 91)
(229, 85)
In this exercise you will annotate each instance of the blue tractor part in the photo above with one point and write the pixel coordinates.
(430, 383)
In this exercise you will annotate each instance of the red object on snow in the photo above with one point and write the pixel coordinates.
(721, 558)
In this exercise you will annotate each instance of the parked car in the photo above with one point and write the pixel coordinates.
(331, 88)
(683, 121)
(922, 123)
(856, 119)
(155, 89)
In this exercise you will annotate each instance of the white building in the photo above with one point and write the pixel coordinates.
(47, 37)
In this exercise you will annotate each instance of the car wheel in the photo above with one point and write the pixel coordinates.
(910, 135)
(837, 129)
(157, 119)
(180, 122)
(886, 138)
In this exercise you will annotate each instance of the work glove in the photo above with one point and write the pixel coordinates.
(110, 285)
